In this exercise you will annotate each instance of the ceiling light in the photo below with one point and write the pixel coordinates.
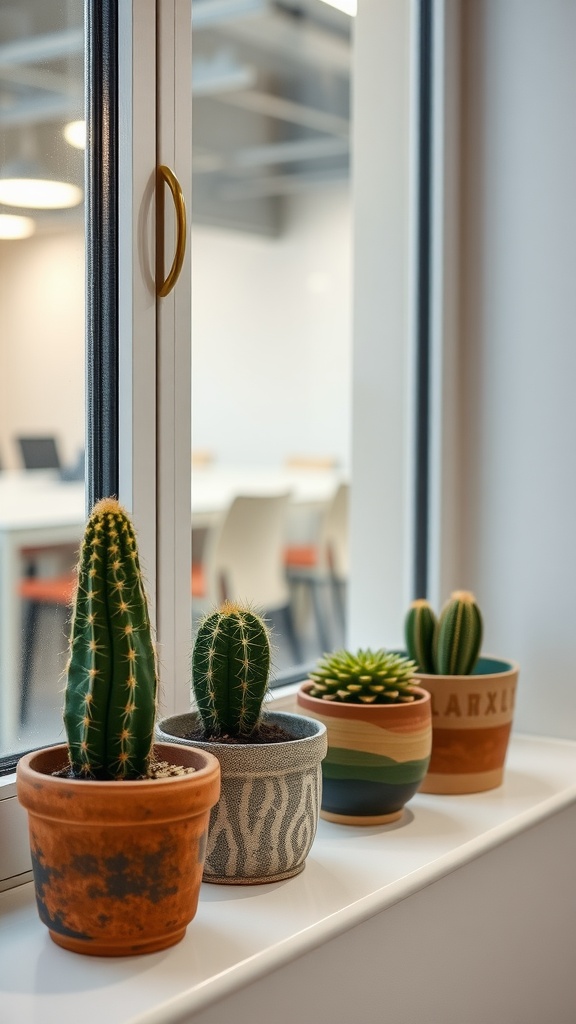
(24, 184)
(75, 134)
(12, 226)
(346, 6)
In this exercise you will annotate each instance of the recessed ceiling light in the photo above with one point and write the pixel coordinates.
(13, 226)
(23, 184)
(75, 134)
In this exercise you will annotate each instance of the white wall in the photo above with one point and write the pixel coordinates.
(518, 337)
(42, 341)
(271, 335)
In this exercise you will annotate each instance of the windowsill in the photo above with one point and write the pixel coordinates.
(242, 933)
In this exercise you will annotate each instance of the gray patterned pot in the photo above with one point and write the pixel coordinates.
(264, 824)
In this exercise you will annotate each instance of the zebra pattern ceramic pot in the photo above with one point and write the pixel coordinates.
(377, 756)
(264, 824)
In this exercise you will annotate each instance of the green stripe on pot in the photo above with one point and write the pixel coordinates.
(371, 768)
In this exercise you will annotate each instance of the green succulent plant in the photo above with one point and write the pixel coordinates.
(230, 668)
(112, 682)
(449, 645)
(364, 677)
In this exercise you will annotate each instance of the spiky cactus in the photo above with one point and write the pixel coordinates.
(112, 681)
(420, 625)
(458, 635)
(230, 666)
(367, 677)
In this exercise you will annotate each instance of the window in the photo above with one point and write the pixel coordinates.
(135, 346)
(271, 318)
(153, 369)
(41, 356)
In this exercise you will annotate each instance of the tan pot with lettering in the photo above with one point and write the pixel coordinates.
(471, 724)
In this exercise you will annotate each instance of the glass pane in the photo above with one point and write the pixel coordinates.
(41, 356)
(271, 317)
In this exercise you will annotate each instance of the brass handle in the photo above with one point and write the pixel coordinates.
(165, 175)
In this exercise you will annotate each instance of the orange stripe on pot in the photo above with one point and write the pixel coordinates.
(391, 716)
(478, 750)
(373, 729)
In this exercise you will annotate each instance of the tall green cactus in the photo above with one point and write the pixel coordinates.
(230, 666)
(458, 635)
(112, 682)
(419, 631)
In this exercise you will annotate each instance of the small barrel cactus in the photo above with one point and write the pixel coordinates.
(230, 667)
(419, 630)
(112, 682)
(367, 677)
(458, 635)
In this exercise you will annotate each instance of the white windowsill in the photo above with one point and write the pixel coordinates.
(241, 933)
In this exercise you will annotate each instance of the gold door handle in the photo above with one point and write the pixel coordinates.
(166, 176)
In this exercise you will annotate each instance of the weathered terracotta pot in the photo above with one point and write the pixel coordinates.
(377, 756)
(117, 865)
(471, 724)
(264, 824)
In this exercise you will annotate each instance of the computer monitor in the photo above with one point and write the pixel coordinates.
(39, 452)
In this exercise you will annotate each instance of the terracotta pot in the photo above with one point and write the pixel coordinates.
(471, 723)
(117, 865)
(377, 756)
(264, 824)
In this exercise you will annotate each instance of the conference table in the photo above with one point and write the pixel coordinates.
(37, 509)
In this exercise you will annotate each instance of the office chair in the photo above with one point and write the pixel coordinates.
(312, 462)
(244, 561)
(37, 592)
(324, 564)
(202, 458)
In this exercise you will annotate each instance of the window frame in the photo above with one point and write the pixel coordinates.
(138, 352)
(153, 353)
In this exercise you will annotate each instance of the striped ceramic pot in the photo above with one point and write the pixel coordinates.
(471, 724)
(264, 824)
(377, 756)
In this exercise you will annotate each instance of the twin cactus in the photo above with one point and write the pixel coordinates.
(112, 682)
(230, 667)
(447, 646)
(367, 677)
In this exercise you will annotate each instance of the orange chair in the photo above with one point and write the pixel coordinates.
(311, 462)
(324, 564)
(243, 561)
(37, 592)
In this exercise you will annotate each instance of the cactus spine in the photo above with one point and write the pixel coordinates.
(112, 682)
(230, 666)
(458, 635)
(367, 677)
(419, 629)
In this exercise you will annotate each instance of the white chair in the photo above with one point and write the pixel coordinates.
(244, 561)
(325, 563)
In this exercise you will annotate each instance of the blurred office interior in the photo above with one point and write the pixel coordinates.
(271, 331)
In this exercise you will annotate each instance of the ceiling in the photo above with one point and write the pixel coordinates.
(271, 84)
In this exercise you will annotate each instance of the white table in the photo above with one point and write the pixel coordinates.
(37, 509)
(214, 487)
